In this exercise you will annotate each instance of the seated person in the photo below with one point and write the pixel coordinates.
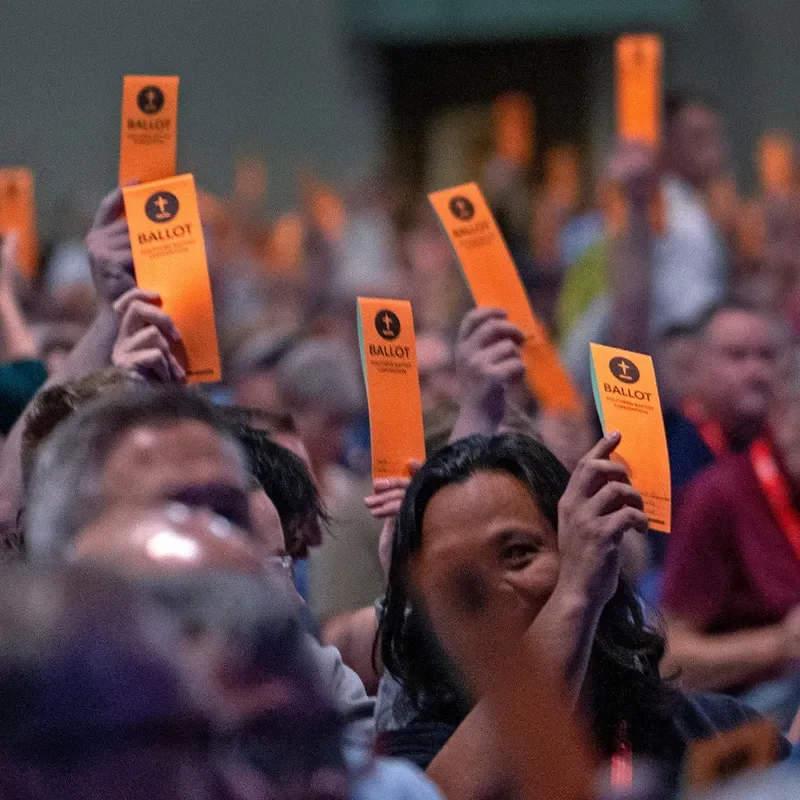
(732, 577)
(552, 547)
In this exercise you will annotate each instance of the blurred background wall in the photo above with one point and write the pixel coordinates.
(366, 87)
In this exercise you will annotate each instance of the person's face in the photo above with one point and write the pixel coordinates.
(168, 540)
(185, 462)
(491, 521)
(697, 143)
(323, 433)
(437, 379)
(259, 390)
(736, 369)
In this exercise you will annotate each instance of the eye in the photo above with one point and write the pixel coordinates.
(517, 555)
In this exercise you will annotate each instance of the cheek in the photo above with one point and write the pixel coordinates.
(529, 589)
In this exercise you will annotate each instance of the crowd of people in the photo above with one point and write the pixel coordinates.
(206, 595)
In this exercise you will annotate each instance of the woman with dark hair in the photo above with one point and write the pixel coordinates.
(549, 548)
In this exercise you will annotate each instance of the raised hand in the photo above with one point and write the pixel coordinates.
(146, 337)
(109, 248)
(597, 508)
(488, 362)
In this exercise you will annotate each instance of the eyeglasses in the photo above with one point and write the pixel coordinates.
(281, 565)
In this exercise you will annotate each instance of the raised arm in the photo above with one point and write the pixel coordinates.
(632, 170)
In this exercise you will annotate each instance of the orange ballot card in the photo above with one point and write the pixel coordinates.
(494, 281)
(755, 745)
(18, 213)
(389, 361)
(149, 138)
(169, 257)
(638, 70)
(626, 395)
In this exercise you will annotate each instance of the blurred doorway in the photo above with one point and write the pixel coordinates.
(440, 98)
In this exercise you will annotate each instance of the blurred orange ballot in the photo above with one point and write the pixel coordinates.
(494, 282)
(169, 257)
(389, 361)
(626, 395)
(638, 83)
(18, 213)
(149, 136)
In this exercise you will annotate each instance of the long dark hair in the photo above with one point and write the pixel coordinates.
(623, 684)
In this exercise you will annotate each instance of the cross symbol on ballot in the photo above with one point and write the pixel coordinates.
(623, 367)
(161, 203)
(387, 325)
(151, 97)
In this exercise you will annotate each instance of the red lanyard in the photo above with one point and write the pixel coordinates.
(622, 760)
(776, 489)
(710, 432)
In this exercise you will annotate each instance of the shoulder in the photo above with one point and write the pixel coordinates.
(721, 480)
(393, 779)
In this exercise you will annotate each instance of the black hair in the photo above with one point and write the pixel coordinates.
(677, 101)
(285, 480)
(623, 682)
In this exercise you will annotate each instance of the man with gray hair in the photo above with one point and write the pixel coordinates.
(134, 449)
(120, 467)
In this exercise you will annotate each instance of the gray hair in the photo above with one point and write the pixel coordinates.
(322, 372)
(65, 492)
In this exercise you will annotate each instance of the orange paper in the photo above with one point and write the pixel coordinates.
(169, 257)
(777, 167)
(149, 137)
(638, 71)
(562, 175)
(626, 395)
(389, 361)
(755, 745)
(512, 121)
(494, 282)
(18, 213)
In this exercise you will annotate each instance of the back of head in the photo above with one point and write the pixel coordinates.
(65, 491)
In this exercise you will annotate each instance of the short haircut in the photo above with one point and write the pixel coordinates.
(65, 493)
(54, 405)
(677, 101)
(705, 319)
(321, 373)
(285, 480)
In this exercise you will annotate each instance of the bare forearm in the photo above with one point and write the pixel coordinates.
(18, 341)
(712, 662)
(563, 632)
(631, 277)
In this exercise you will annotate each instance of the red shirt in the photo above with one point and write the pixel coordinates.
(729, 565)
